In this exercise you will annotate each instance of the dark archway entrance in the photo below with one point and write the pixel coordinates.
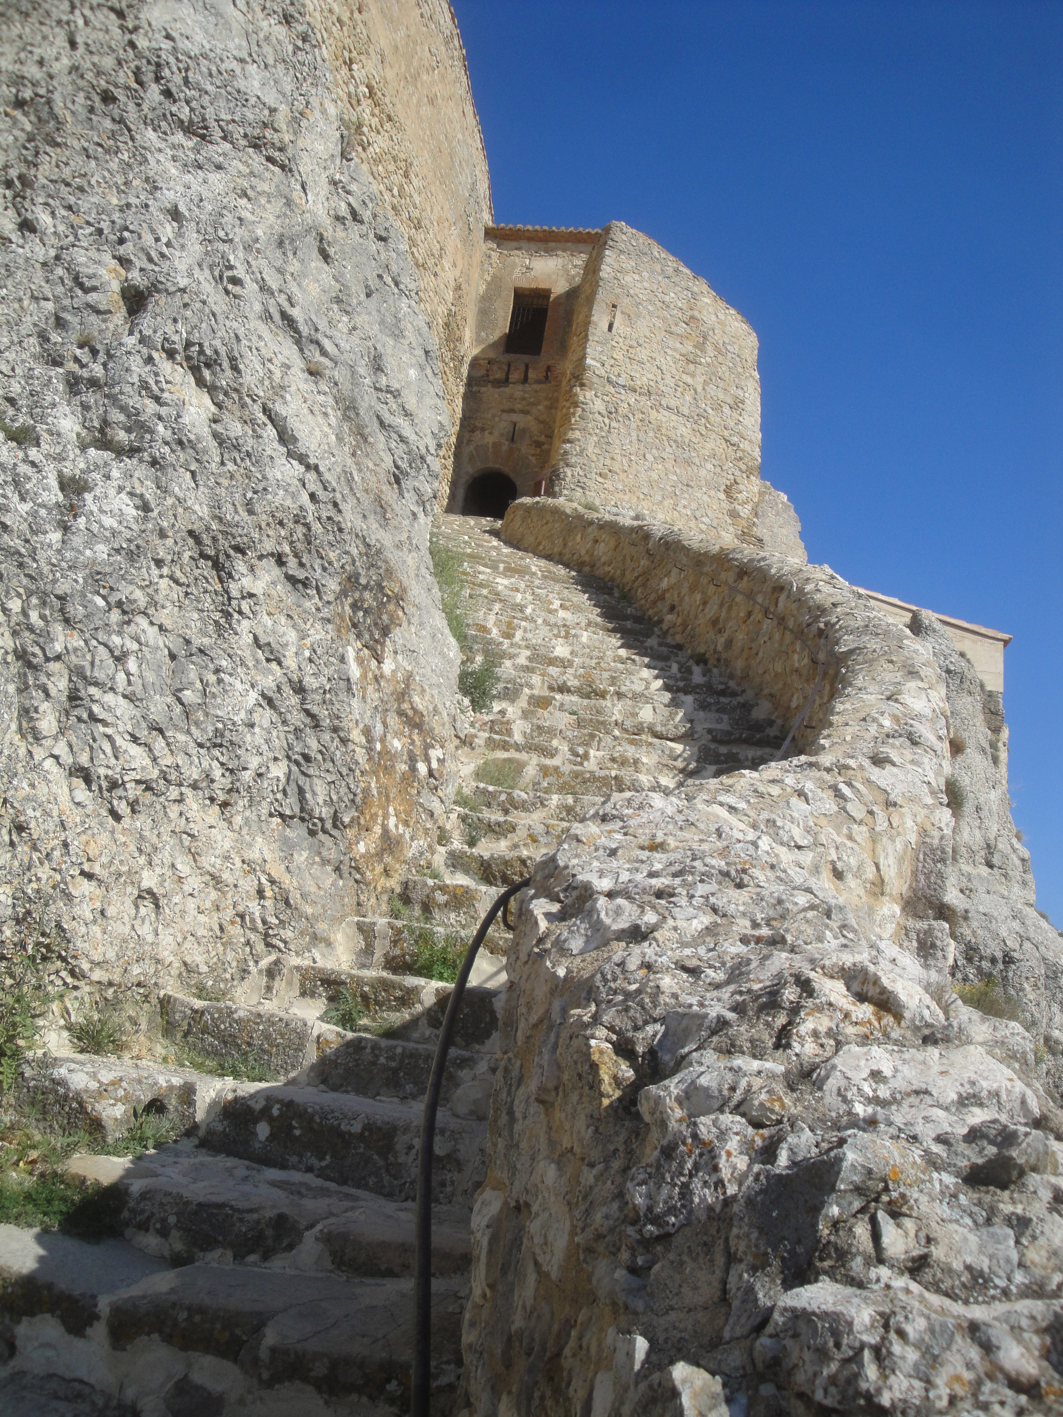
(488, 495)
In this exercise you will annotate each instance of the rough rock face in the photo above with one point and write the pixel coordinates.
(741, 1124)
(225, 676)
(988, 901)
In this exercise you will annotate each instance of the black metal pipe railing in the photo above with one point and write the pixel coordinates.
(420, 1387)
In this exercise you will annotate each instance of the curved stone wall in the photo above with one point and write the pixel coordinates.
(748, 1153)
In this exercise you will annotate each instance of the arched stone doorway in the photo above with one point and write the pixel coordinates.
(489, 494)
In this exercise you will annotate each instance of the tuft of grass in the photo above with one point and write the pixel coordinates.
(473, 831)
(18, 433)
(956, 794)
(99, 1033)
(589, 506)
(244, 1067)
(939, 987)
(397, 908)
(149, 1131)
(988, 997)
(433, 873)
(957, 745)
(500, 772)
(317, 368)
(478, 681)
(35, 1190)
(437, 956)
(84, 339)
(31, 964)
(447, 568)
(465, 801)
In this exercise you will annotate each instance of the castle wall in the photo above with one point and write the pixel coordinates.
(660, 411)
(402, 86)
(511, 401)
(778, 524)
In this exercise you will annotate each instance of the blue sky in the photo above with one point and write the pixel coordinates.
(878, 188)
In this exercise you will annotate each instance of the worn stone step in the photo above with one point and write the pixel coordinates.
(235, 1036)
(540, 835)
(530, 806)
(184, 1204)
(348, 1337)
(555, 743)
(44, 1272)
(353, 1141)
(397, 1006)
(498, 868)
(395, 1069)
(447, 902)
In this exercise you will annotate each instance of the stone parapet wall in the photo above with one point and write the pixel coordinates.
(660, 411)
(746, 1147)
(402, 85)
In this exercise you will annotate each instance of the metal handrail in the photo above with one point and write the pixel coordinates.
(420, 1386)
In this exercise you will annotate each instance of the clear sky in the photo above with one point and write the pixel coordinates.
(877, 185)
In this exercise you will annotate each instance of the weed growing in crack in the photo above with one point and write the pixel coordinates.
(437, 955)
(989, 997)
(500, 772)
(100, 1033)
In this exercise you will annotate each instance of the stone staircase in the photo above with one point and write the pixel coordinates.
(270, 1250)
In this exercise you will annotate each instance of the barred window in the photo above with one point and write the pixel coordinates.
(527, 323)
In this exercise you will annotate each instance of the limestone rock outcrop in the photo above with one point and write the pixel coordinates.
(226, 680)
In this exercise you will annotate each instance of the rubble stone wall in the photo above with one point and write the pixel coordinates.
(660, 410)
(747, 1147)
(225, 678)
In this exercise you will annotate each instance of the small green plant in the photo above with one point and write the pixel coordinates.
(437, 955)
(347, 1011)
(465, 800)
(99, 1033)
(150, 1130)
(988, 997)
(397, 907)
(105, 438)
(36, 1191)
(447, 569)
(433, 873)
(500, 772)
(474, 831)
(19, 433)
(84, 339)
(478, 681)
(31, 965)
(589, 506)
